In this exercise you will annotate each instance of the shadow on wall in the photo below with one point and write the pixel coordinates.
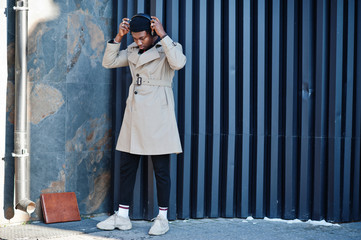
(64, 38)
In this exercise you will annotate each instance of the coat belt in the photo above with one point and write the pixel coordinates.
(152, 82)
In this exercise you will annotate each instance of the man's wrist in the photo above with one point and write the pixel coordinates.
(163, 36)
(117, 39)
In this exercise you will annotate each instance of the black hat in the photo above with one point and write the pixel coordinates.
(140, 22)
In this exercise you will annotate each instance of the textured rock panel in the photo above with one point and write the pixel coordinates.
(45, 100)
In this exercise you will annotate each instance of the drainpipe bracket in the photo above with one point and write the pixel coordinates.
(21, 8)
(24, 154)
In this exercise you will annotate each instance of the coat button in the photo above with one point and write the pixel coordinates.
(135, 92)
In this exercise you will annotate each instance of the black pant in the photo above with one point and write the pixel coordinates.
(128, 169)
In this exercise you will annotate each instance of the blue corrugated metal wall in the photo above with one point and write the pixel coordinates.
(268, 107)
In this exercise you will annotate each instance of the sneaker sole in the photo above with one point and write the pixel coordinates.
(124, 228)
(107, 229)
(157, 234)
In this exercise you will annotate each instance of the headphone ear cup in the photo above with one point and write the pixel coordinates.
(152, 30)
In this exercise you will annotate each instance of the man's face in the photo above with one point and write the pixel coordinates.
(143, 39)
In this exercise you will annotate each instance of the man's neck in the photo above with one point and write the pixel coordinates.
(155, 41)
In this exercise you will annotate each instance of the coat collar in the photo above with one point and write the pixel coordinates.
(147, 56)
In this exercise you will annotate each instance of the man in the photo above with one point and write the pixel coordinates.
(149, 125)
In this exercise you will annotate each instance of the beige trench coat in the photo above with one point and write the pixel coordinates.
(149, 125)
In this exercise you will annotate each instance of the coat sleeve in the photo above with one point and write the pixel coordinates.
(174, 53)
(114, 58)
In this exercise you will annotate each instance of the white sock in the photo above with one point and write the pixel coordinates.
(163, 211)
(123, 211)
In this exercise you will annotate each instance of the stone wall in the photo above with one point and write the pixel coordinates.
(70, 103)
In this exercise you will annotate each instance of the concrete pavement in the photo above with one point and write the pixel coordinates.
(202, 229)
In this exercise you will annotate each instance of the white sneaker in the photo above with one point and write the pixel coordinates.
(115, 221)
(160, 226)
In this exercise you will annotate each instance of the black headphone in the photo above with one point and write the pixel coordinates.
(144, 15)
(147, 16)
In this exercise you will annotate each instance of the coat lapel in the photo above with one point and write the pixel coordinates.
(148, 56)
(133, 56)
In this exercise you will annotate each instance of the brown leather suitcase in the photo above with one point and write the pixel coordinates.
(59, 207)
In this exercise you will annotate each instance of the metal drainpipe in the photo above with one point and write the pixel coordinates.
(21, 151)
